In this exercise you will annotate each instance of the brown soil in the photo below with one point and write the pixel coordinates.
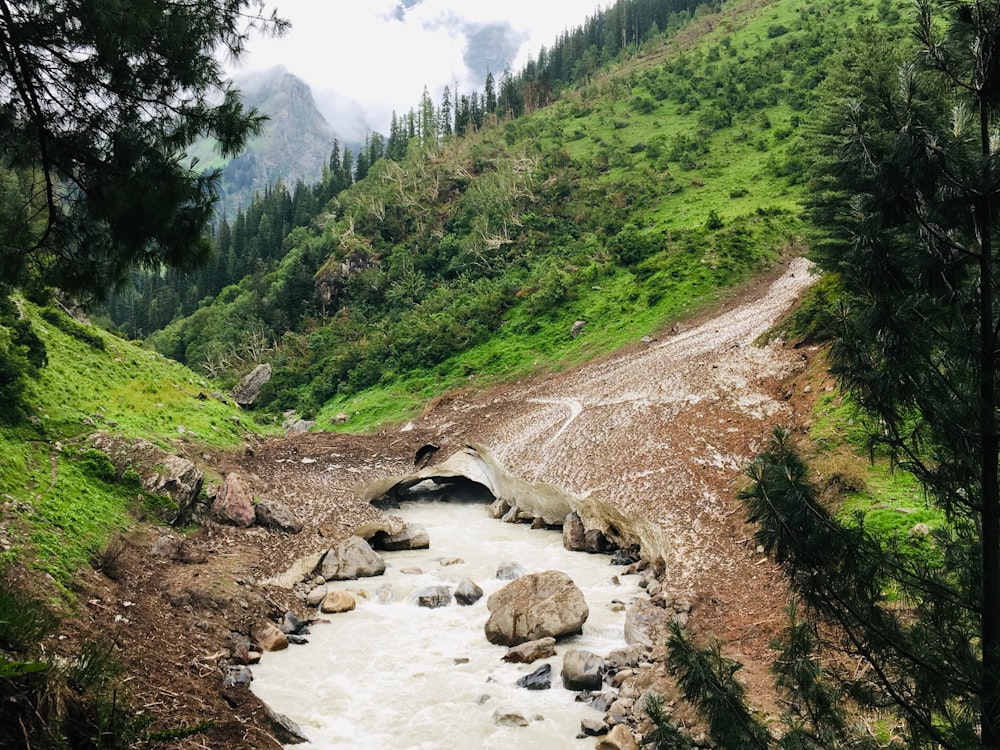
(660, 431)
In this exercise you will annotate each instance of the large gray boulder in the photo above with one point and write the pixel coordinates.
(582, 670)
(352, 558)
(248, 391)
(159, 472)
(574, 533)
(538, 605)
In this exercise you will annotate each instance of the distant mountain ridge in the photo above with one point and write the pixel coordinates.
(294, 145)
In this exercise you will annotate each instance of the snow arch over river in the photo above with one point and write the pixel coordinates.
(392, 674)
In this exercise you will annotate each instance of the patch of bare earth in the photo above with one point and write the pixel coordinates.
(661, 431)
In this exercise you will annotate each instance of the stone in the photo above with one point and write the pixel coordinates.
(504, 717)
(593, 727)
(268, 637)
(160, 473)
(291, 624)
(237, 674)
(595, 542)
(167, 546)
(434, 597)
(498, 509)
(540, 679)
(412, 536)
(646, 624)
(246, 393)
(531, 651)
(621, 658)
(577, 328)
(618, 738)
(509, 571)
(234, 501)
(298, 426)
(582, 670)
(337, 601)
(573, 533)
(274, 515)
(316, 595)
(538, 605)
(467, 593)
(238, 646)
(352, 558)
(285, 731)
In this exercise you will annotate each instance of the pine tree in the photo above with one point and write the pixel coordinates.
(99, 102)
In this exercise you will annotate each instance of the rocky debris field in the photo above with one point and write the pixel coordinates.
(658, 433)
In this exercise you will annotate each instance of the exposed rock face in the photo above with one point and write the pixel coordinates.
(412, 536)
(531, 651)
(160, 472)
(646, 624)
(582, 670)
(274, 515)
(248, 391)
(538, 605)
(468, 593)
(285, 731)
(234, 501)
(337, 601)
(352, 558)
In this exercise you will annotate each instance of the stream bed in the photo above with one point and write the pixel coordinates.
(392, 674)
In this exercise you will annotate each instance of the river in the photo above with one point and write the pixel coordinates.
(392, 674)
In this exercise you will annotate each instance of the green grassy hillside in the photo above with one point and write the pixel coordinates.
(61, 504)
(678, 171)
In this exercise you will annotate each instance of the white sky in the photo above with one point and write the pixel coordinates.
(364, 58)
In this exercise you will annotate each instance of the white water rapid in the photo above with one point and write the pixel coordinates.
(392, 674)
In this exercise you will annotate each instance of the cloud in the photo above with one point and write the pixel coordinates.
(376, 56)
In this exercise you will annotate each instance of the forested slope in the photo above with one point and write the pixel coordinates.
(677, 170)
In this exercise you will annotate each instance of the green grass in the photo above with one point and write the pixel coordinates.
(66, 503)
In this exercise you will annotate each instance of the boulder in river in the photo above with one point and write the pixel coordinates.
(537, 605)
(574, 533)
(467, 593)
(509, 571)
(531, 651)
(412, 536)
(540, 679)
(619, 738)
(267, 635)
(336, 602)
(582, 670)
(352, 558)
(433, 597)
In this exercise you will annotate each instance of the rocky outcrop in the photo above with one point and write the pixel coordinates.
(352, 558)
(247, 391)
(234, 501)
(538, 605)
(160, 473)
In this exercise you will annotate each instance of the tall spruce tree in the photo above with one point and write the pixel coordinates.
(906, 207)
(99, 101)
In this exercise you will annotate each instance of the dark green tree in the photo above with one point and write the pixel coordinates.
(99, 102)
